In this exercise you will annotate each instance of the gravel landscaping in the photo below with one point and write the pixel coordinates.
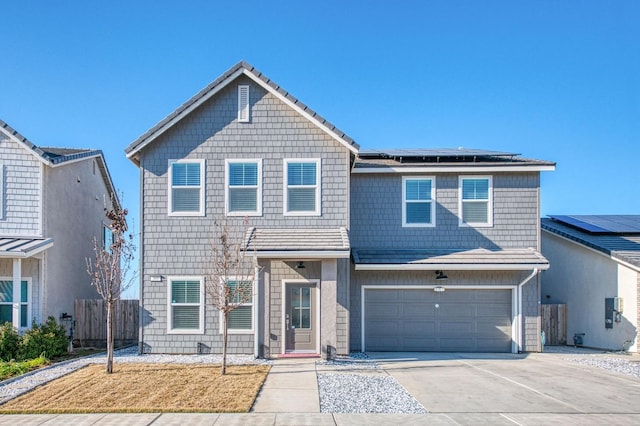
(618, 365)
(355, 384)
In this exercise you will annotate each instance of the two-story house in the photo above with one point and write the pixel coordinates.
(243, 147)
(52, 203)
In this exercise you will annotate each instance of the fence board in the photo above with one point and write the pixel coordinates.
(554, 323)
(91, 322)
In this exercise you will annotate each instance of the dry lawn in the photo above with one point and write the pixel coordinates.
(146, 388)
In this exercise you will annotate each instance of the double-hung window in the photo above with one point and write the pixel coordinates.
(186, 188)
(6, 302)
(302, 187)
(475, 203)
(186, 305)
(107, 238)
(418, 195)
(244, 187)
(241, 296)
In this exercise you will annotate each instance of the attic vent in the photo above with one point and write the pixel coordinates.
(243, 104)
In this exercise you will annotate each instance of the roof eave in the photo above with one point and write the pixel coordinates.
(450, 266)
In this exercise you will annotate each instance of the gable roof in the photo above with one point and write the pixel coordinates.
(241, 68)
(54, 157)
(622, 246)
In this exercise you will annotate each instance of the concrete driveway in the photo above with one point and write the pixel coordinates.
(511, 388)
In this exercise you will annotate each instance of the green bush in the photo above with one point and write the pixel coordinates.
(15, 368)
(10, 342)
(48, 339)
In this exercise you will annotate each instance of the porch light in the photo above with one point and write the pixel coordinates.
(440, 275)
(300, 265)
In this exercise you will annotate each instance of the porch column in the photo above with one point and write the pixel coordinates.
(17, 288)
(328, 306)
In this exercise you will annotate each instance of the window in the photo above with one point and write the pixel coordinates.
(186, 195)
(417, 201)
(476, 201)
(186, 305)
(241, 318)
(302, 187)
(243, 104)
(244, 187)
(107, 238)
(6, 302)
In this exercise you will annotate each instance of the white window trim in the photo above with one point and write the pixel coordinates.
(29, 300)
(244, 111)
(170, 305)
(258, 211)
(170, 187)
(317, 186)
(253, 309)
(489, 202)
(432, 202)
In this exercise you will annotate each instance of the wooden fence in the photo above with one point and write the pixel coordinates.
(554, 324)
(91, 322)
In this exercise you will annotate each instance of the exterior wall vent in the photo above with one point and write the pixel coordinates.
(243, 103)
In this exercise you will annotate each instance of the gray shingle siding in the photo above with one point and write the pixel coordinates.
(181, 245)
(22, 194)
(376, 214)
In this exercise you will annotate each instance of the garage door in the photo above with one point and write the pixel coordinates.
(450, 321)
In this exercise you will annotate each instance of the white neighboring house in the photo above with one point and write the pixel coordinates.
(52, 204)
(596, 273)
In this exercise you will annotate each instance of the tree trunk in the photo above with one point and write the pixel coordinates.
(225, 317)
(109, 366)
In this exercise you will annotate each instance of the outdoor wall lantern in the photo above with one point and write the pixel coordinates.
(300, 265)
(440, 275)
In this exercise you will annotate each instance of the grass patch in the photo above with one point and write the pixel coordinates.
(10, 369)
(146, 388)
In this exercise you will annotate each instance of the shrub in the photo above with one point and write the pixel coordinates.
(48, 339)
(15, 368)
(10, 342)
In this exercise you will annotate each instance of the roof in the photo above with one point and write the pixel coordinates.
(622, 246)
(14, 247)
(54, 156)
(241, 68)
(474, 259)
(317, 242)
(444, 159)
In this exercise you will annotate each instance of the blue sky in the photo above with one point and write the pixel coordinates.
(554, 80)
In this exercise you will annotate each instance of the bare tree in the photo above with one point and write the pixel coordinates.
(112, 270)
(232, 271)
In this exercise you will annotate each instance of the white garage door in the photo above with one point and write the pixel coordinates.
(450, 321)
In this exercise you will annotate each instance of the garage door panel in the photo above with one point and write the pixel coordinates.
(465, 320)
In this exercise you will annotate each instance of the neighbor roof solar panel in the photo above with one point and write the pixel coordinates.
(602, 224)
(435, 152)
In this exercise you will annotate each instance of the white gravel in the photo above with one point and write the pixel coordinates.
(619, 365)
(355, 384)
(12, 388)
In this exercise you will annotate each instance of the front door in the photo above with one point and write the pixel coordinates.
(300, 318)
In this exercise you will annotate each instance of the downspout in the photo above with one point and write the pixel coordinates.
(256, 310)
(519, 327)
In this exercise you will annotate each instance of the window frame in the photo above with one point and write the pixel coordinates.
(244, 108)
(252, 304)
(432, 202)
(28, 302)
(317, 187)
(170, 305)
(227, 187)
(201, 187)
(488, 201)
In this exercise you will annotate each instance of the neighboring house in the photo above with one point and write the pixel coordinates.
(348, 242)
(596, 273)
(52, 204)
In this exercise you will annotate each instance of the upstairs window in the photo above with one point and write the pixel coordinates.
(417, 201)
(6, 302)
(302, 187)
(476, 201)
(243, 103)
(186, 305)
(244, 187)
(186, 193)
(107, 238)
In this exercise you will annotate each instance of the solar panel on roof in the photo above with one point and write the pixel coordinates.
(435, 152)
(603, 224)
